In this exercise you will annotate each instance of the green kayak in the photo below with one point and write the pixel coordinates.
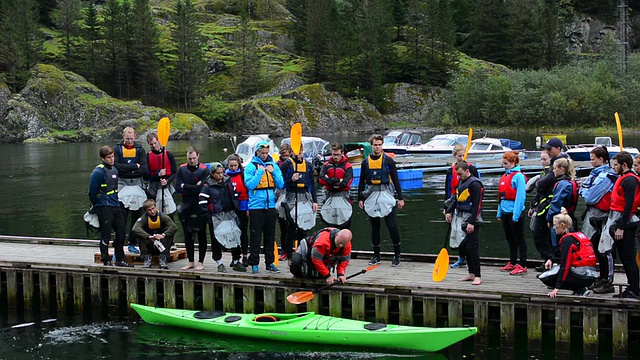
(308, 327)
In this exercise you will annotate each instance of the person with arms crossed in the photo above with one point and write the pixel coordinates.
(336, 175)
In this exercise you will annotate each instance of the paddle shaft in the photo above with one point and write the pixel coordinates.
(446, 238)
(338, 282)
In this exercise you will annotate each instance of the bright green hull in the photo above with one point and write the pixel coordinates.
(310, 328)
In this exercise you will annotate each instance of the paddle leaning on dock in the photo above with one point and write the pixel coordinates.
(308, 327)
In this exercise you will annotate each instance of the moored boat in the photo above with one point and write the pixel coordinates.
(581, 152)
(308, 327)
(439, 146)
(247, 148)
(492, 148)
(398, 141)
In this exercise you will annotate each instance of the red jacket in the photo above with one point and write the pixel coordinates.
(324, 253)
(331, 173)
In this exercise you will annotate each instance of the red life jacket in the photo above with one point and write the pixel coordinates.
(571, 206)
(237, 180)
(605, 203)
(617, 194)
(505, 189)
(337, 170)
(579, 255)
(325, 238)
(455, 179)
(156, 163)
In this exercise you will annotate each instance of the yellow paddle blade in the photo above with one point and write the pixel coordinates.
(619, 125)
(466, 151)
(164, 128)
(275, 253)
(638, 258)
(300, 297)
(441, 266)
(296, 137)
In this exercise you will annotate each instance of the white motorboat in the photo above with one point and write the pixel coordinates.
(439, 146)
(247, 148)
(493, 148)
(314, 149)
(398, 141)
(581, 152)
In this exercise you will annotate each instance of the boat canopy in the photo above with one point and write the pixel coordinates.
(311, 146)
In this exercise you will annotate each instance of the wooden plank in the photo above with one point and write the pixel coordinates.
(455, 312)
(150, 291)
(249, 297)
(27, 289)
(174, 255)
(430, 312)
(481, 321)
(405, 307)
(289, 307)
(620, 328)
(229, 297)
(61, 291)
(270, 302)
(12, 288)
(534, 327)
(563, 329)
(382, 308)
(189, 294)
(114, 294)
(45, 290)
(132, 293)
(590, 331)
(507, 325)
(314, 304)
(169, 286)
(208, 295)
(335, 303)
(96, 292)
(78, 292)
(357, 306)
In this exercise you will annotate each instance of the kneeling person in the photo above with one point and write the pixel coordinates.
(154, 230)
(317, 254)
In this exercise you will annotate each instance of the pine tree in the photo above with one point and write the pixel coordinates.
(247, 69)
(189, 64)
(90, 33)
(488, 37)
(66, 19)
(145, 43)
(114, 47)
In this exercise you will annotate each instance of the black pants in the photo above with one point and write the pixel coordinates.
(469, 250)
(514, 233)
(294, 234)
(191, 230)
(216, 248)
(392, 225)
(134, 215)
(572, 282)
(147, 246)
(284, 229)
(626, 248)
(111, 219)
(603, 262)
(243, 218)
(262, 222)
(542, 238)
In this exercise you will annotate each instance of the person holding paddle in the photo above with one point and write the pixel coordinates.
(162, 173)
(322, 251)
(467, 205)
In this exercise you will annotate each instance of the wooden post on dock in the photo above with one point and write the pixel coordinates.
(405, 308)
(534, 327)
(382, 308)
(563, 329)
(61, 291)
(132, 293)
(150, 291)
(270, 301)
(507, 325)
(229, 297)
(455, 312)
(357, 306)
(27, 289)
(314, 304)
(189, 294)
(44, 285)
(78, 292)
(114, 294)
(169, 288)
(96, 292)
(620, 334)
(249, 297)
(12, 288)
(208, 296)
(335, 303)
(430, 312)
(590, 331)
(481, 321)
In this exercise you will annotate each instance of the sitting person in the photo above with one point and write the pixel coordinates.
(154, 230)
(317, 254)
(577, 262)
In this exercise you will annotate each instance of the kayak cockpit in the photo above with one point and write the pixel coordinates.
(280, 318)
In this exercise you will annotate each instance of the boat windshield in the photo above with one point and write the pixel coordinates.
(480, 146)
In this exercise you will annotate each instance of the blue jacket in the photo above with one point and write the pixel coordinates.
(598, 184)
(562, 192)
(103, 191)
(515, 207)
(261, 198)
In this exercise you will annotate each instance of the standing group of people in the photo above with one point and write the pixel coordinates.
(240, 206)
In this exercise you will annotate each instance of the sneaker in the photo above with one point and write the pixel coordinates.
(283, 257)
(396, 261)
(626, 294)
(518, 270)
(133, 249)
(583, 292)
(163, 262)
(255, 269)
(221, 268)
(461, 263)
(375, 260)
(509, 267)
(113, 258)
(123, 264)
(147, 261)
(107, 263)
(272, 268)
(597, 284)
(541, 268)
(239, 267)
(245, 260)
(605, 288)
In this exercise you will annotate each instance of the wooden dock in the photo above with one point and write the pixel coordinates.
(60, 274)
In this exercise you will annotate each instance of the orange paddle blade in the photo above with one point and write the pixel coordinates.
(164, 128)
(441, 266)
(275, 253)
(371, 267)
(300, 297)
(619, 126)
(466, 151)
(296, 137)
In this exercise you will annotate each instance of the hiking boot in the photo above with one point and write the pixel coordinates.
(605, 288)
(461, 263)
(221, 268)
(133, 249)
(375, 260)
(518, 270)
(597, 283)
(509, 267)
(123, 264)
(283, 257)
(245, 261)
(239, 267)
(541, 268)
(147, 261)
(583, 292)
(396, 261)
(255, 269)
(163, 262)
(272, 268)
(626, 294)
